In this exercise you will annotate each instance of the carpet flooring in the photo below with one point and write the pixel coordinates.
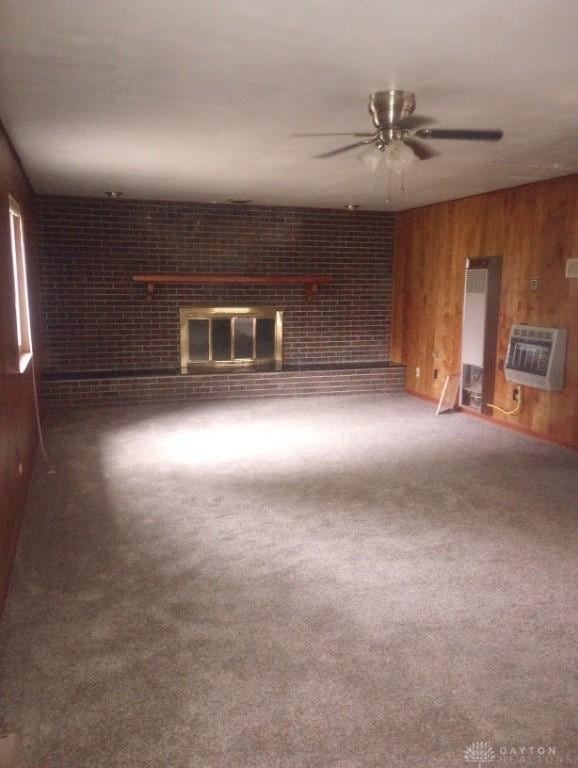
(341, 582)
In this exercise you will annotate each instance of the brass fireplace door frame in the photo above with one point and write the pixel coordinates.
(208, 313)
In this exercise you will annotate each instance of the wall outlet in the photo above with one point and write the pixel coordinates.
(572, 268)
(417, 371)
(534, 284)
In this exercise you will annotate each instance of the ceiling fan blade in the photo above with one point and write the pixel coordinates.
(345, 149)
(416, 121)
(356, 135)
(459, 133)
(421, 151)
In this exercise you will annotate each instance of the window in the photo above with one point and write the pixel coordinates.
(22, 311)
(230, 337)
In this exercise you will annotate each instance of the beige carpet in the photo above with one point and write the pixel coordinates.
(328, 583)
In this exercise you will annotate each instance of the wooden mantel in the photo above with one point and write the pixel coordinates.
(311, 283)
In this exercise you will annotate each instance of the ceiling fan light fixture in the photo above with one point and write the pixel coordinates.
(370, 158)
(397, 155)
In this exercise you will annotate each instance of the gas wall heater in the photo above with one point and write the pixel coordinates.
(536, 357)
(479, 331)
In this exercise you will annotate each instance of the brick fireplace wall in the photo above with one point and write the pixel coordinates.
(96, 319)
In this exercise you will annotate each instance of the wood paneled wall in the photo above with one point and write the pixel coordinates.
(535, 229)
(17, 418)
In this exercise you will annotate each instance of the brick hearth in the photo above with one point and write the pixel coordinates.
(92, 390)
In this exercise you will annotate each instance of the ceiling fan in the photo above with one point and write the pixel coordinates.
(391, 112)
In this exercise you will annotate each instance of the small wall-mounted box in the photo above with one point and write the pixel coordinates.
(572, 268)
(536, 357)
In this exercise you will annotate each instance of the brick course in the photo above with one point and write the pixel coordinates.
(96, 319)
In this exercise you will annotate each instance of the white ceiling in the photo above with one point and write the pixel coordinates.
(198, 99)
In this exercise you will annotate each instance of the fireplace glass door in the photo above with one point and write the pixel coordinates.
(230, 337)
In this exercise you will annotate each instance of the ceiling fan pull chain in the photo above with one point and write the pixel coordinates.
(388, 191)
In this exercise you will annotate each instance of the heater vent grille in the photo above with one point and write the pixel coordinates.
(536, 357)
(534, 333)
(476, 280)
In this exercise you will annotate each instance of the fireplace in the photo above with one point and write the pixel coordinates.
(231, 338)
